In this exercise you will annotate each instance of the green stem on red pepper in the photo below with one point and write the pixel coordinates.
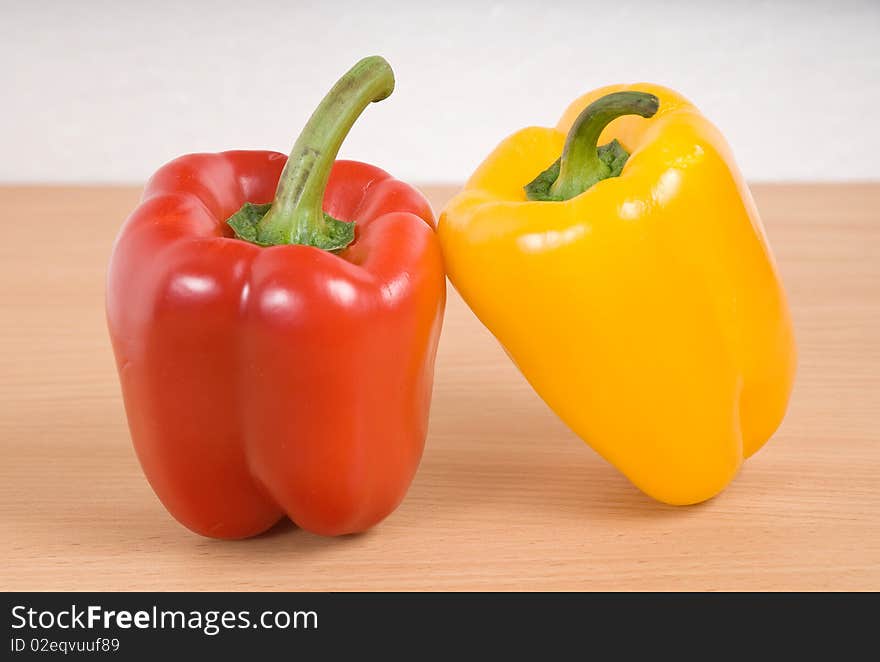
(583, 163)
(296, 216)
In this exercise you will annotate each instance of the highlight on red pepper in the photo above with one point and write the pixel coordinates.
(275, 323)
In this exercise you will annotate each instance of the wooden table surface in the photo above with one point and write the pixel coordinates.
(506, 497)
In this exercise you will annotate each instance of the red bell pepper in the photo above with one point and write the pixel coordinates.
(285, 366)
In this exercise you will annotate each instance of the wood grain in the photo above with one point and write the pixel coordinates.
(506, 497)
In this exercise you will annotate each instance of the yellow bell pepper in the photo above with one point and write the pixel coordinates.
(633, 285)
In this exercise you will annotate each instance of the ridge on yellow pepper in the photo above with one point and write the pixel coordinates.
(643, 303)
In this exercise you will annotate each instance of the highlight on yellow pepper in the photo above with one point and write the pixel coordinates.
(633, 285)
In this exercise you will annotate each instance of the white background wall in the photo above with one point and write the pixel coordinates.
(103, 91)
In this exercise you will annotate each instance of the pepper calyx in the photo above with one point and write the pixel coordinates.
(583, 163)
(334, 236)
(612, 156)
(296, 215)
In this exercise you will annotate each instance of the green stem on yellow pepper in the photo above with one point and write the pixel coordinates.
(583, 163)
